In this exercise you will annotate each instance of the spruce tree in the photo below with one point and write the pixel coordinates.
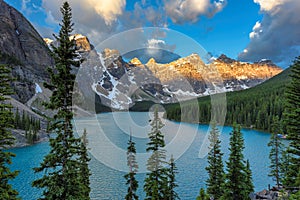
(275, 152)
(62, 167)
(248, 180)
(284, 165)
(236, 186)
(156, 181)
(216, 180)
(292, 123)
(172, 171)
(202, 195)
(6, 137)
(133, 168)
(17, 119)
(84, 167)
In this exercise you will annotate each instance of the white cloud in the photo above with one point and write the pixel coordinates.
(269, 5)
(50, 20)
(100, 19)
(108, 9)
(155, 43)
(97, 19)
(276, 36)
(181, 11)
(26, 7)
(256, 30)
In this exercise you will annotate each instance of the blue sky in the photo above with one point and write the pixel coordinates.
(248, 30)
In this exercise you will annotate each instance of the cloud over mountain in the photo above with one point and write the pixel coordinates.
(181, 11)
(99, 19)
(277, 34)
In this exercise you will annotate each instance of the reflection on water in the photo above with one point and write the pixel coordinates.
(108, 183)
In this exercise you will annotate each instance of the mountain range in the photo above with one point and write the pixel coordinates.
(121, 84)
(116, 83)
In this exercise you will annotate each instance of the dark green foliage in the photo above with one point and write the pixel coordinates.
(133, 168)
(172, 171)
(6, 137)
(276, 151)
(292, 124)
(254, 107)
(26, 121)
(29, 124)
(156, 181)
(31, 136)
(156, 137)
(63, 166)
(248, 179)
(84, 160)
(284, 165)
(236, 185)
(295, 196)
(142, 106)
(202, 195)
(216, 180)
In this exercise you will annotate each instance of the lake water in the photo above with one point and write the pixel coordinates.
(108, 135)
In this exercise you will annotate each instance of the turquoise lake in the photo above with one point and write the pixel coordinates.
(183, 140)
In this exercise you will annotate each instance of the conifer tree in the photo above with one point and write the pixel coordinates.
(275, 152)
(156, 182)
(172, 171)
(23, 122)
(216, 180)
(284, 165)
(202, 195)
(17, 119)
(6, 137)
(248, 179)
(133, 168)
(63, 178)
(84, 168)
(292, 123)
(236, 186)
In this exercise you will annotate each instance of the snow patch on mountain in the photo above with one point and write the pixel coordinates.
(38, 88)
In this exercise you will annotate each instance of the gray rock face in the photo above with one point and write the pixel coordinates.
(22, 43)
(18, 38)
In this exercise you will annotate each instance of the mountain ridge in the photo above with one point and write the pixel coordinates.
(183, 78)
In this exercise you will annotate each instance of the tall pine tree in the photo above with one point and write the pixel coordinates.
(236, 185)
(84, 167)
(248, 179)
(172, 171)
(292, 123)
(6, 137)
(202, 195)
(216, 180)
(63, 178)
(156, 182)
(133, 168)
(275, 152)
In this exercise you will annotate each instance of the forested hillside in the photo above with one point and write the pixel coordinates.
(254, 107)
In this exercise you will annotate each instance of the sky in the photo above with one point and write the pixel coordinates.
(247, 30)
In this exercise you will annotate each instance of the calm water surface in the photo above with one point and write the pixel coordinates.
(108, 183)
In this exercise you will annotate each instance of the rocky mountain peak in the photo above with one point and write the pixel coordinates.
(223, 58)
(48, 41)
(20, 40)
(265, 62)
(135, 61)
(28, 54)
(110, 54)
(82, 42)
(151, 61)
